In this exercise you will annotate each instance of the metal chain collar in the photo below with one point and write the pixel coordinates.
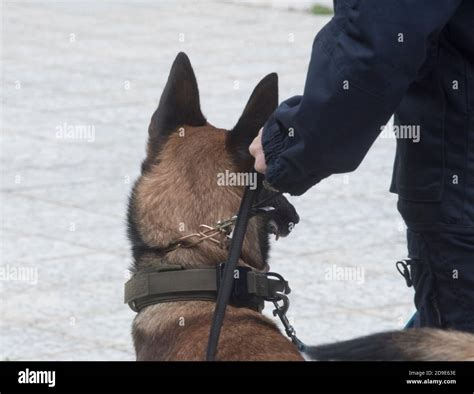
(222, 229)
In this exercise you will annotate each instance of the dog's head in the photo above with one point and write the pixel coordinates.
(191, 174)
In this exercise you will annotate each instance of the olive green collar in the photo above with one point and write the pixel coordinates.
(171, 283)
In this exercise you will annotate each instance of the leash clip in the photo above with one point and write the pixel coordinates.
(280, 311)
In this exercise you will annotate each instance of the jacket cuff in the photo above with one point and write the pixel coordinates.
(273, 142)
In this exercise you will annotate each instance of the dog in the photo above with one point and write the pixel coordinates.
(178, 191)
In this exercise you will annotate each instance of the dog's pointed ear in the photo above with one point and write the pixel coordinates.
(179, 103)
(263, 101)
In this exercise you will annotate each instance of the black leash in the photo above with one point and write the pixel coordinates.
(247, 209)
(227, 278)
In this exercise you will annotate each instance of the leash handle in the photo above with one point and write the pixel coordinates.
(225, 288)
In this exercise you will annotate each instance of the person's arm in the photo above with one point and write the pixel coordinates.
(361, 65)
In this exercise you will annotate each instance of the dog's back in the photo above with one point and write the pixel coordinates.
(179, 331)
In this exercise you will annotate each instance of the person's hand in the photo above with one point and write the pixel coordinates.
(256, 150)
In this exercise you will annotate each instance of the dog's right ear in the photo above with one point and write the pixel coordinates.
(262, 102)
(179, 104)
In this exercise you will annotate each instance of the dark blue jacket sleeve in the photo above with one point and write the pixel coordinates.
(361, 65)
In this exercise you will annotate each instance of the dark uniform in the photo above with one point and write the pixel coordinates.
(414, 58)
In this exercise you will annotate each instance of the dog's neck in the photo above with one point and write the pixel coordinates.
(202, 255)
(158, 216)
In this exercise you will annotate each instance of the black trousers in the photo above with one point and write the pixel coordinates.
(442, 270)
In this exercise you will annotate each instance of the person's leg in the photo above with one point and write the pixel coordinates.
(442, 270)
(423, 281)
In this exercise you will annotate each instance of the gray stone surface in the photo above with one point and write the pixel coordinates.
(63, 201)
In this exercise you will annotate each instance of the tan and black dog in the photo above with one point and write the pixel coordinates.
(178, 191)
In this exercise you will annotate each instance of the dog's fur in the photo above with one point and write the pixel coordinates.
(422, 344)
(177, 191)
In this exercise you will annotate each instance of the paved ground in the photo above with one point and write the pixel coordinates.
(103, 65)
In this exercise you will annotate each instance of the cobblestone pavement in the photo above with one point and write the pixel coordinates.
(103, 65)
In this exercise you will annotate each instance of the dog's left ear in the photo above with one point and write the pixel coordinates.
(179, 106)
(179, 102)
(263, 101)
